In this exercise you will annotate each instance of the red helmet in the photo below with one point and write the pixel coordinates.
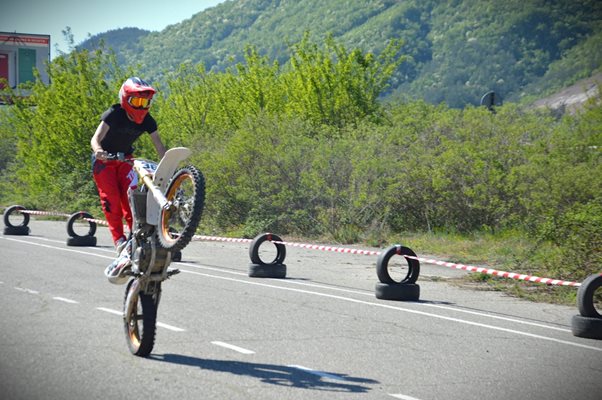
(135, 97)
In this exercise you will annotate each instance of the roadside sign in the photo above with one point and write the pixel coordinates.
(21, 54)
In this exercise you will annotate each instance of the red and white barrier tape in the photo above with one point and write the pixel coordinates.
(97, 221)
(469, 268)
(59, 214)
(35, 212)
(220, 239)
(330, 248)
(488, 271)
(292, 244)
(502, 274)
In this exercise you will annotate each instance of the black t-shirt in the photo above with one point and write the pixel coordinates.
(123, 132)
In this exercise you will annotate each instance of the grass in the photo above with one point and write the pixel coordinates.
(509, 251)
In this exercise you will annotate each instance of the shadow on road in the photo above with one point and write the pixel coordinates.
(274, 374)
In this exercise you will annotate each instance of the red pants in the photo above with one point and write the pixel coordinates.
(113, 178)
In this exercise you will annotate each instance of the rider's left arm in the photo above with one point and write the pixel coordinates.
(158, 143)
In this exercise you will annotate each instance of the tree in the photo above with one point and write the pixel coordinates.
(52, 128)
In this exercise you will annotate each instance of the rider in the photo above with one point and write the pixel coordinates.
(119, 128)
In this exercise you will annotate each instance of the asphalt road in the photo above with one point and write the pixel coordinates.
(318, 334)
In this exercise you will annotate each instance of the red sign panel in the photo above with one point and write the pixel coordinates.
(25, 40)
(3, 68)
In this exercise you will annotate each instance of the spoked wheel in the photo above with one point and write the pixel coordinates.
(140, 319)
(186, 191)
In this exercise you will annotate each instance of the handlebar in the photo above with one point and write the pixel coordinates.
(116, 156)
(146, 177)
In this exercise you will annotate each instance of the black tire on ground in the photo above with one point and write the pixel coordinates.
(277, 271)
(586, 327)
(397, 291)
(15, 209)
(186, 191)
(141, 325)
(585, 296)
(383, 261)
(16, 230)
(80, 215)
(82, 241)
(176, 256)
(256, 244)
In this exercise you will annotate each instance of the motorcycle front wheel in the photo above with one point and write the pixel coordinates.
(186, 192)
(140, 320)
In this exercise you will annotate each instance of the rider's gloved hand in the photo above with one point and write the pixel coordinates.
(101, 155)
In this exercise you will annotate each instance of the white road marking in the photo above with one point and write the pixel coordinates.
(106, 250)
(120, 313)
(371, 294)
(496, 317)
(87, 253)
(232, 347)
(403, 397)
(397, 308)
(65, 300)
(170, 327)
(161, 324)
(46, 239)
(20, 289)
(318, 373)
(382, 305)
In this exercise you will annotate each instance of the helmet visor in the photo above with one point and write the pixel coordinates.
(139, 102)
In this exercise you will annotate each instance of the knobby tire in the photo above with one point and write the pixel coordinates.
(187, 191)
(141, 325)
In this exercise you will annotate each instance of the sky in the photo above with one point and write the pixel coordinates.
(51, 17)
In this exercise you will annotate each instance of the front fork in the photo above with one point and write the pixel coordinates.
(147, 272)
(145, 280)
(154, 190)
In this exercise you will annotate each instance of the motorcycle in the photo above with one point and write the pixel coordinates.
(166, 205)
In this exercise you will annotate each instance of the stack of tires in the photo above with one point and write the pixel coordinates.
(16, 222)
(259, 268)
(13, 214)
(406, 288)
(589, 323)
(75, 239)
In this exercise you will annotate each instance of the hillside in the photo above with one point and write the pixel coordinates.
(125, 42)
(573, 97)
(459, 49)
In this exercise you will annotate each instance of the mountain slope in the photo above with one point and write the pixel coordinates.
(459, 49)
(573, 97)
(126, 42)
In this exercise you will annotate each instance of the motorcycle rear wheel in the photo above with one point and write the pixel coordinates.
(140, 323)
(186, 191)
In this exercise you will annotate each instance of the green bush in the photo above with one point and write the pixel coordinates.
(309, 150)
(51, 131)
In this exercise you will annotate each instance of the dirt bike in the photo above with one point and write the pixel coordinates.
(166, 207)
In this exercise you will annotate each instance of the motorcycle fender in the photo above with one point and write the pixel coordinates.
(165, 170)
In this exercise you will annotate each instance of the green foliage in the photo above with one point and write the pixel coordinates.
(51, 130)
(577, 63)
(324, 85)
(562, 192)
(334, 86)
(257, 179)
(7, 139)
